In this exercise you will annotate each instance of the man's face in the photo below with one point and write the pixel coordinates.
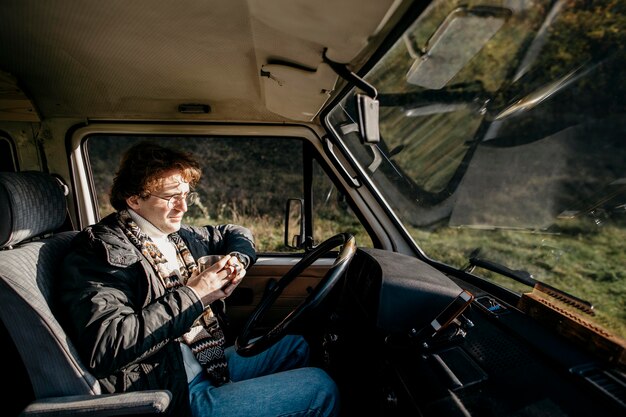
(156, 210)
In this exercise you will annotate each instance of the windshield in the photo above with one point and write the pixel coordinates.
(503, 137)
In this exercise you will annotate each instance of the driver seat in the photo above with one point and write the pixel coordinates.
(31, 249)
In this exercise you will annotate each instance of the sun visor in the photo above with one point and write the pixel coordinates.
(296, 93)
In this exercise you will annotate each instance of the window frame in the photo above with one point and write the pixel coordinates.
(85, 193)
(6, 138)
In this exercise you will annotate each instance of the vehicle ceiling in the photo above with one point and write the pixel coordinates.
(141, 59)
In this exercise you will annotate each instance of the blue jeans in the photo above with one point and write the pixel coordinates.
(275, 382)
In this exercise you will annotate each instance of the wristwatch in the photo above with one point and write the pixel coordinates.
(243, 259)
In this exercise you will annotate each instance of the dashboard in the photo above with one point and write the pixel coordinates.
(492, 360)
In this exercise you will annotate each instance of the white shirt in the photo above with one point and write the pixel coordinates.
(168, 249)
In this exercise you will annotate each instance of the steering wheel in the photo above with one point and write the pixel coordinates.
(245, 347)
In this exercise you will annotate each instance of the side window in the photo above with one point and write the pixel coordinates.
(245, 180)
(8, 157)
(331, 212)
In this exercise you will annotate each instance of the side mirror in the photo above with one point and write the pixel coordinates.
(294, 223)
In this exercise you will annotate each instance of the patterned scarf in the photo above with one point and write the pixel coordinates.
(205, 338)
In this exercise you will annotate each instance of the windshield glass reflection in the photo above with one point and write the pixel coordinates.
(518, 154)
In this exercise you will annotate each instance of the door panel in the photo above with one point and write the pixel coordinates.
(267, 269)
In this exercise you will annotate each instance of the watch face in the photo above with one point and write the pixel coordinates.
(240, 258)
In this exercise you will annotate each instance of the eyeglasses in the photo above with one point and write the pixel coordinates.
(173, 200)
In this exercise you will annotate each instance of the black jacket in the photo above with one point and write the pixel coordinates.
(118, 314)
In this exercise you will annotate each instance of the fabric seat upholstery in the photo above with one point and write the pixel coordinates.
(30, 259)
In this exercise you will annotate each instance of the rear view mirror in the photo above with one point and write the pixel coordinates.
(366, 104)
(368, 118)
(462, 35)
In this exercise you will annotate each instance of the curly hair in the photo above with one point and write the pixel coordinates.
(142, 168)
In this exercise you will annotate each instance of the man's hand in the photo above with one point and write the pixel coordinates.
(218, 280)
(238, 274)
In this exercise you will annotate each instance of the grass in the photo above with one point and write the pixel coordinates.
(584, 260)
(269, 232)
(586, 264)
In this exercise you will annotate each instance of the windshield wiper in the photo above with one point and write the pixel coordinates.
(522, 276)
(526, 277)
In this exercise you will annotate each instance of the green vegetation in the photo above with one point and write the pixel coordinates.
(514, 200)
(245, 181)
(583, 255)
(269, 233)
(587, 265)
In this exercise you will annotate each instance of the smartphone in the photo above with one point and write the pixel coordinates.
(452, 311)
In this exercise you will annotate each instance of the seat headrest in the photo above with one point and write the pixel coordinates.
(32, 204)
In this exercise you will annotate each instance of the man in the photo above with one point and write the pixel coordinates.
(139, 312)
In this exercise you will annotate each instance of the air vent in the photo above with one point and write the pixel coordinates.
(610, 383)
(194, 108)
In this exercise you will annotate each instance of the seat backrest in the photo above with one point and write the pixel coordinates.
(33, 207)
